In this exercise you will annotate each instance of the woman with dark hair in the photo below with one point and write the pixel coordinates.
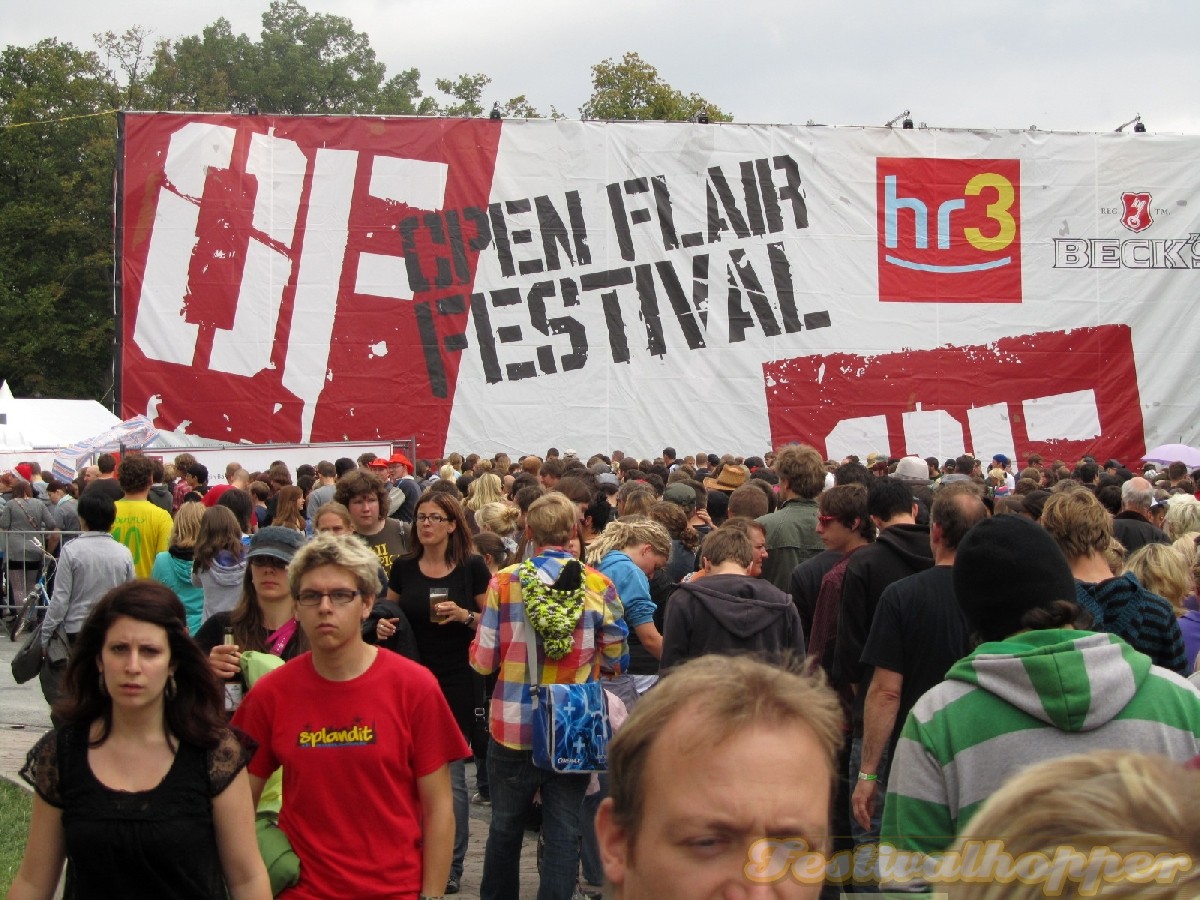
(218, 562)
(289, 508)
(442, 558)
(142, 790)
(264, 618)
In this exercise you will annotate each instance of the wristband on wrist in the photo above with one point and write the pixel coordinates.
(868, 776)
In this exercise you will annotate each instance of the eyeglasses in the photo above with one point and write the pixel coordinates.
(825, 520)
(337, 598)
(432, 517)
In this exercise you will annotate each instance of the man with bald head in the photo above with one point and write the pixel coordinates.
(1132, 525)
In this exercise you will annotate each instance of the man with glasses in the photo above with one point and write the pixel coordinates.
(365, 739)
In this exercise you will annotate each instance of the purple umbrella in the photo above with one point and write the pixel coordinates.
(1169, 453)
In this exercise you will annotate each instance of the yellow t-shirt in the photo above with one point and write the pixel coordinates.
(145, 529)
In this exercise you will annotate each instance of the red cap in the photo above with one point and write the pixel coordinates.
(399, 459)
(25, 470)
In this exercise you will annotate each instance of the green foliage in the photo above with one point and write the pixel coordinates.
(16, 805)
(315, 63)
(57, 146)
(467, 93)
(633, 90)
(214, 71)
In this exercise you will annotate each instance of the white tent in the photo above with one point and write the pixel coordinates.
(42, 424)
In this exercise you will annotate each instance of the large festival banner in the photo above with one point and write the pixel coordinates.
(514, 285)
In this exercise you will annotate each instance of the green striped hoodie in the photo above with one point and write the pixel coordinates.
(1034, 696)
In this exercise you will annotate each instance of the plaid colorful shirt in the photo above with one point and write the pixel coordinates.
(500, 644)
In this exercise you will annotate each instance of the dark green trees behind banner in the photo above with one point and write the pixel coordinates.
(58, 154)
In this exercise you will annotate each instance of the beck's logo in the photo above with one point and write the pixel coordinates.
(949, 230)
(1135, 211)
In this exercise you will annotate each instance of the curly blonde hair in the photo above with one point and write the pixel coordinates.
(627, 532)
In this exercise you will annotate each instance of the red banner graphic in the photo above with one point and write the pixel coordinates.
(1061, 394)
(294, 279)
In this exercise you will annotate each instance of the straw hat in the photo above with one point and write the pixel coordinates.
(728, 479)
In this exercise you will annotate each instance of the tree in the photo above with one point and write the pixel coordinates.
(467, 91)
(214, 71)
(315, 63)
(303, 63)
(633, 90)
(401, 96)
(132, 55)
(57, 146)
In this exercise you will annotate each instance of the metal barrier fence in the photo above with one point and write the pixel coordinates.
(28, 560)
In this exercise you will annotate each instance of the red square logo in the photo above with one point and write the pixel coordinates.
(949, 230)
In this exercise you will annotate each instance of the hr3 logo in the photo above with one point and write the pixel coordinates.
(949, 230)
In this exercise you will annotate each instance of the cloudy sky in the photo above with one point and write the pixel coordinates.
(1057, 64)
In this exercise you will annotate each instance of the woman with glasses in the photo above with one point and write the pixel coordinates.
(442, 558)
(263, 618)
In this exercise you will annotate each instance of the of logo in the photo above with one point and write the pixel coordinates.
(949, 230)
(1135, 211)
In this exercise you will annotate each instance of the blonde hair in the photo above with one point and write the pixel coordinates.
(551, 520)
(185, 530)
(626, 532)
(1162, 569)
(343, 550)
(1128, 805)
(484, 490)
(1183, 515)
(446, 473)
(498, 518)
(638, 501)
(1078, 522)
(1186, 545)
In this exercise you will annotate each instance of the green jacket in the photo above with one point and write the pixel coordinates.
(791, 539)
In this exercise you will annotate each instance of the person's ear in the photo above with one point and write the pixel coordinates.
(613, 843)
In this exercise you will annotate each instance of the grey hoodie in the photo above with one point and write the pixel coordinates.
(222, 583)
(729, 614)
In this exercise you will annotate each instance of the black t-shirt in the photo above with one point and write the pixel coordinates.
(806, 585)
(157, 843)
(918, 631)
(444, 649)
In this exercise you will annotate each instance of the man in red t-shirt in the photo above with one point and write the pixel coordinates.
(364, 738)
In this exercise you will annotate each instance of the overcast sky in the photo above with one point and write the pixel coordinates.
(1058, 64)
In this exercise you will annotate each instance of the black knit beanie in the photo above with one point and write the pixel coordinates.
(1006, 566)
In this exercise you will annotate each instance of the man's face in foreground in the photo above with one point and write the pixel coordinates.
(706, 807)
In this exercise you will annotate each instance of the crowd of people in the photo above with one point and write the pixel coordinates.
(860, 655)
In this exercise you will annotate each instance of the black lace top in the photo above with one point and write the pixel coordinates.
(156, 844)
